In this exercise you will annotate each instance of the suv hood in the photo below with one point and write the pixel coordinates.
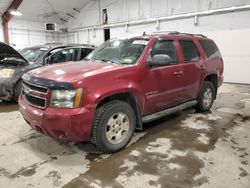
(73, 71)
(13, 56)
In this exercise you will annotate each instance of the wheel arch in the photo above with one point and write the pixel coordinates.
(213, 78)
(130, 98)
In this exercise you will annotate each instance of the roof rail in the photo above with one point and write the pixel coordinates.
(174, 33)
(159, 32)
(199, 35)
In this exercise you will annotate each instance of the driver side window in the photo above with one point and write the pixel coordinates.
(165, 47)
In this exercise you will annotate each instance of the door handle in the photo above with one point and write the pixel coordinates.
(177, 73)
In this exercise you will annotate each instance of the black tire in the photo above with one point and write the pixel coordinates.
(17, 91)
(203, 106)
(100, 127)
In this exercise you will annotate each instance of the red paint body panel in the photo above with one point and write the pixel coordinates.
(64, 124)
(154, 88)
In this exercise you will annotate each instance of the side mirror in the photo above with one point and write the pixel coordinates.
(160, 60)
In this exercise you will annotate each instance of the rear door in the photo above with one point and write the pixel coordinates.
(193, 69)
(162, 84)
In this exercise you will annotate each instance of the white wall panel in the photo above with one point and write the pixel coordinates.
(228, 3)
(145, 8)
(235, 50)
(88, 16)
(206, 5)
(26, 33)
(133, 9)
(159, 8)
(174, 7)
(116, 10)
(190, 6)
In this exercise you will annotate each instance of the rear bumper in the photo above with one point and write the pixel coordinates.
(64, 124)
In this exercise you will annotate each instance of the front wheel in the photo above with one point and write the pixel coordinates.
(113, 127)
(206, 97)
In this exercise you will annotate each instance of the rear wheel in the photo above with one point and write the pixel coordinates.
(206, 97)
(113, 127)
(17, 91)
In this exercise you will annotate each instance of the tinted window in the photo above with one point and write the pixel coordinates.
(166, 47)
(210, 49)
(85, 52)
(189, 51)
(64, 55)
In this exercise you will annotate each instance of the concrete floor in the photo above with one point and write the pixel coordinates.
(187, 149)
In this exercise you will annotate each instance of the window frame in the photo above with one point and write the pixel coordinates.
(196, 47)
(65, 49)
(174, 45)
(205, 53)
(80, 52)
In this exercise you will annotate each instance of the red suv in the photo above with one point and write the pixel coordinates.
(121, 85)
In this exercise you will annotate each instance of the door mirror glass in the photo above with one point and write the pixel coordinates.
(160, 60)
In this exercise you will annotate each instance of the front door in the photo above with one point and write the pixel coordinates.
(162, 83)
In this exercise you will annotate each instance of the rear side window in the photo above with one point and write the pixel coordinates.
(189, 51)
(210, 49)
(85, 52)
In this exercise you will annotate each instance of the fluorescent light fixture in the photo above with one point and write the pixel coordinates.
(15, 13)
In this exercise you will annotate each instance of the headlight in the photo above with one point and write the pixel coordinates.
(66, 98)
(6, 73)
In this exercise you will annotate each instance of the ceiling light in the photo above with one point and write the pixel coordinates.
(15, 13)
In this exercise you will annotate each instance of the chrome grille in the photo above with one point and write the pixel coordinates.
(35, 95)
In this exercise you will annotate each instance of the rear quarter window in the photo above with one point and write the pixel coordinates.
(210, 49)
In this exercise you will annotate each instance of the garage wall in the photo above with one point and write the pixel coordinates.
(230, 30)
(26, 33)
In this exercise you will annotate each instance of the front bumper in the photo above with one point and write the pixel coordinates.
(64, 124)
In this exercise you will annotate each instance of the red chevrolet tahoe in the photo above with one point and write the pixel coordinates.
(121, 85)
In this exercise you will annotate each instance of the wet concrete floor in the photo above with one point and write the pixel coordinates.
(187, 149)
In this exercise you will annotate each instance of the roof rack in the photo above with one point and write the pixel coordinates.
(160, 32)
(175, 33)
(199, 35)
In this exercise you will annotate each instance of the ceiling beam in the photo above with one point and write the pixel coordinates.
(6, 17)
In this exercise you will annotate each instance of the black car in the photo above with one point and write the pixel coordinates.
(14, 64)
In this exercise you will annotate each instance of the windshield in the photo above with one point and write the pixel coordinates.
(119, 51)
(33, 54)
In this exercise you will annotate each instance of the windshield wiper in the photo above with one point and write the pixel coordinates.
(111, 61)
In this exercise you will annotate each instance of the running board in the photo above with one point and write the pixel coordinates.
(168, 111)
